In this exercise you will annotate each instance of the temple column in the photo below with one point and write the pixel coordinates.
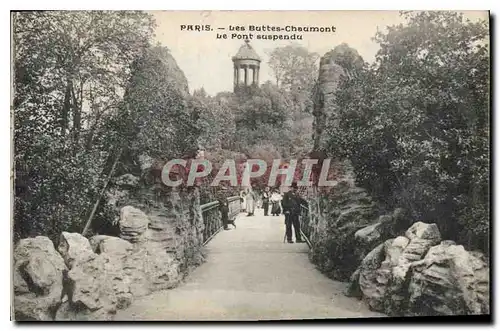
(256, 76)
(247, 76)
(236, 75)
(253, 75)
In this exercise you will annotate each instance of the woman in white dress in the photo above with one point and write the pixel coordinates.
(250, 197)
(243, 201)
(275, 202)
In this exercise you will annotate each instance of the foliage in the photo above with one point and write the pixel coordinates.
(293, 66)
(415, 124)
(71, 69)
(295, 70)
(269, 116)
(215, 121)
(156, 108)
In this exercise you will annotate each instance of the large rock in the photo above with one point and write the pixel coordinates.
(383, 286)
(424, 231)
(95, 282)
(74, 248)
(329, 76)
(387, 226)
(112, 272)
(366, 276)
(410, 275)
(370, 234)
(331, 72)
(449, 281)
(38, 279)
(110, 245)
(133, 223)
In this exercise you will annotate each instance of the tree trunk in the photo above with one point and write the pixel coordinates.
(77, 117)
(66, 108)
(91, 216)
(90, 137)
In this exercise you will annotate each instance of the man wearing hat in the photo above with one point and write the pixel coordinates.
(222, 196)
(291, 207)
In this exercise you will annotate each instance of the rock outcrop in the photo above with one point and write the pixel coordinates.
(74, 248)
(386, 227)
(110, 245)
(106, 273)
(330, 74)
(89, 279)
(335, 219)
(417, 274)
(38, 279)
(332, 68)
(133, 224)
(449, 281)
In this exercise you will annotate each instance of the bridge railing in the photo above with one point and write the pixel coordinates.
(212, 217)
(305, 224)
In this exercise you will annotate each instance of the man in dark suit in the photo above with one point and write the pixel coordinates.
(291, 208)
(266, 195)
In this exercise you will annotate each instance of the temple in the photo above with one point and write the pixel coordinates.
(246, 67)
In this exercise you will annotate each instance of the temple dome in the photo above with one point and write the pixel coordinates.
(246, 52)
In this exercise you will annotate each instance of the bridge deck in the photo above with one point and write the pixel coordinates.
(251, 274)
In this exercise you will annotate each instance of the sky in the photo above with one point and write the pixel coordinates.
(206, 60)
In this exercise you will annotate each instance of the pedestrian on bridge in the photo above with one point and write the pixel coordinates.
(275, 203)
(251, 198)
(222, 197)
(266, 195)
(291, 207)
(243, 201)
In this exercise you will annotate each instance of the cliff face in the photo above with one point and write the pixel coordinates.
(158, 103)
(174, 76)
(336, 215)
(158, 68)
(395, 263)
(338, 64)
(330, 75)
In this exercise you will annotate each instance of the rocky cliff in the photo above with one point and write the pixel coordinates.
(330, 74)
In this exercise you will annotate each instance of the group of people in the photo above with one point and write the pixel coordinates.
(272, 198)
(250, 199)
(288, 203)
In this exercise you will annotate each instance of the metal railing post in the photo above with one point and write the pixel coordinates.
(305, 224)
(212, 220)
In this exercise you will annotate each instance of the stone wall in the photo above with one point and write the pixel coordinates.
(89, 279)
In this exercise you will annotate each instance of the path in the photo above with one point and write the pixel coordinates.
(251, 274)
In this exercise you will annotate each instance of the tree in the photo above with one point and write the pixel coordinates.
(215, 121)
(415, 124)
(77, 57)
(70, 71)
(294, 67)
(156, 108)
